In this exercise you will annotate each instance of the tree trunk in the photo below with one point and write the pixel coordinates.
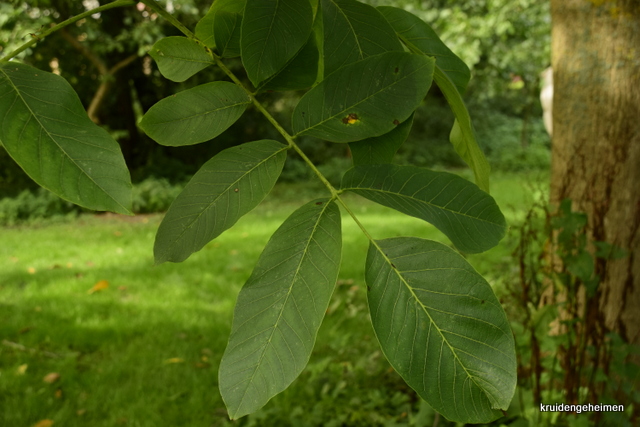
(596, 140)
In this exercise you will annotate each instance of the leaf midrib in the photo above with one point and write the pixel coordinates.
(353, 31)
(194, 116)
(72, 160)
(356, 189)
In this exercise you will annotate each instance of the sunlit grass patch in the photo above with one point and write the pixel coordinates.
(144, 350)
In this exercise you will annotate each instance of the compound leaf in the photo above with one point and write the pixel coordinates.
(468, 216)
(195, 115)
(280, 308)
(45, 129)
(380, 149)
(354, 31)
(179, 58)
(442, 328)
(273, 31)
(364, 99)
(452, 76)
(228, 186)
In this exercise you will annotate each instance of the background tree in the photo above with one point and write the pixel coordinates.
(596, 146)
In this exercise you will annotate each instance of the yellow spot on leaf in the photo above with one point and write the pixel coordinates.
(350, 119)
(22, 369)
(43, 423)
(174, 360)
(31, 270)
(100, 286)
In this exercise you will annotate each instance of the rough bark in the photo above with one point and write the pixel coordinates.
(596, 140)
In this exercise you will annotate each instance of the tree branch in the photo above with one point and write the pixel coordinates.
(85, 51)
(37, 38)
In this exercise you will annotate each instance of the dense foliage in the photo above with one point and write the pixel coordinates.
(505, 44)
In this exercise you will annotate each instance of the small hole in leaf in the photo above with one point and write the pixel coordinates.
(396, 122)
(350, 119)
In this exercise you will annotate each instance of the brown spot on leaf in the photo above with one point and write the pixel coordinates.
(393, 265)
(236, 190)
(318, 203)
(396, 122)
(396, 70)
(350, 119)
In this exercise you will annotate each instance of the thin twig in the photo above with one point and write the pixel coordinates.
(41, 36)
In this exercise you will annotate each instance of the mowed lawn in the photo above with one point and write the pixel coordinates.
(93, 334)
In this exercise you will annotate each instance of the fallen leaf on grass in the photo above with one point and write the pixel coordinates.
(31, 270)
(100, 286)
(174, 360)
(58, 393)
(22, 369)
(43, 423)
(51, 377)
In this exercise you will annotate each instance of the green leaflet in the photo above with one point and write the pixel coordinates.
(195, 115)
(464, 213)
(380, 149)
(299, 73)
(228, 186)
(463, 138)
(364, 99)
(451, 75)
(354, 31)
(205, 29)
(273, 31)
(442, 328)
(179, 58)
(45, 129)
(417, 34)
(280, 308)
(227, 33)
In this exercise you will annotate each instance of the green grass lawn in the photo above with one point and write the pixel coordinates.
(145, 350)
